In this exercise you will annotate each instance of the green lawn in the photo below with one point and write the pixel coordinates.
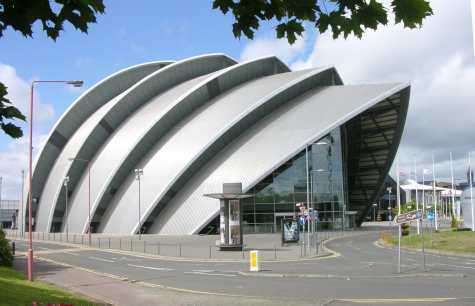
(446, 240)
(16, 290)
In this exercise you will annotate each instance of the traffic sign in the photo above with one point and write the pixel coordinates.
(409, 216)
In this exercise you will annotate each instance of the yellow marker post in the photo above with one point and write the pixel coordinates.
(254, 261)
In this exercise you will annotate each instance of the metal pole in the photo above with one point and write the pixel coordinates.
(417, 198)
(66, 180)
(138, 173)
(89, 198)
(22, 191)
(30, 197)
(423, 244)
(434, 194)
(308, 197)
(471, 191)
(423, 193)
(399, 251)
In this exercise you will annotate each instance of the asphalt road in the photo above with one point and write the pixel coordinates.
(363, 274)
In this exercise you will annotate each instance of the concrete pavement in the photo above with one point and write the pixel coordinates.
(362, 273)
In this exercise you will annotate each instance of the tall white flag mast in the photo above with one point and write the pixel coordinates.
(471, 190)
(453, 191)
(434, 194)
(417, 197)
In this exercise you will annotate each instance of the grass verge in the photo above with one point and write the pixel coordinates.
(446, 240)
(16, 290)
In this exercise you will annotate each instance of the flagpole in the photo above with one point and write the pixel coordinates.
(434, 194)
(398, 212)
(423, 192)
(471, 191)
(417, 198)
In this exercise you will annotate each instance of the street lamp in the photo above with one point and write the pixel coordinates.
(88, 162)
(138, 174)
(389, 201)
(30, 166)
(66, 181)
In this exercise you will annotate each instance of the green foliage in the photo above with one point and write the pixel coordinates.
(16, 290)
(6, 256)
(345, 17)
(8, 113)
(21, 15)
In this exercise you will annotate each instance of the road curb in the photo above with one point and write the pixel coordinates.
(384, 245)
(348, 277)
(329, 253)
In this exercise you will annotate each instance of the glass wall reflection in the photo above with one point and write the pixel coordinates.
(276, 196)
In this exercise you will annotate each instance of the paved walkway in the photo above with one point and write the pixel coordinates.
(362, 273)
(197, 247)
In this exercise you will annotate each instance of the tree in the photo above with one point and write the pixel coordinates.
(342, 17)
(21, 15)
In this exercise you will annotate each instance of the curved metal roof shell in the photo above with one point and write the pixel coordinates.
(201, 122)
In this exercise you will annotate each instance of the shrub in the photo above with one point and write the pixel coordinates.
(405, 229)
(6, 256)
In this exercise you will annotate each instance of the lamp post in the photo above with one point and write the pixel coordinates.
(138, 174)
(389, 202)
(30, 166)
(66, 181)
(88, 163)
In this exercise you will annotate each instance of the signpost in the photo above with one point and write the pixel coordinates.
(405, 218)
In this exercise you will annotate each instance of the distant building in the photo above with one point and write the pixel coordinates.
(9, 210)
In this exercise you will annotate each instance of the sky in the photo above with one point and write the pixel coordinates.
(437, 59)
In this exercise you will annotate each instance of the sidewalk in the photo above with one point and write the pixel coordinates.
(112, 291)
(196, 247)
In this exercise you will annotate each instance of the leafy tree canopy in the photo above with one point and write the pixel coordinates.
(342, 17)
(8, 113)
(21, 15)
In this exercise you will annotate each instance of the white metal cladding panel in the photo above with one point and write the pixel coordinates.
(61, 166)
(263, 148)
(180, 110)
(90, 100)
(113, 152)
(170, 156)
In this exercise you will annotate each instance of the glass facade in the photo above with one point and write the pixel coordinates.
(277, 195)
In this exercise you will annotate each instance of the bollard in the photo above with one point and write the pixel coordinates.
(209, 252)
(54, 236)
(13, 248)
(99, 242)
(275, 252)
(120, 243)
(242, 253)
(158, 248)
(109, 242)
(144, 246)
(131, 248)
(180, 249)
(74, 238)
(82, 239)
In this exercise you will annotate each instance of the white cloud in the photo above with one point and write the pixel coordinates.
(14, 159)
(19, 94)
(438, 61)
(261, 47)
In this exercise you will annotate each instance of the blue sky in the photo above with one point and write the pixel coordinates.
(437, 61)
